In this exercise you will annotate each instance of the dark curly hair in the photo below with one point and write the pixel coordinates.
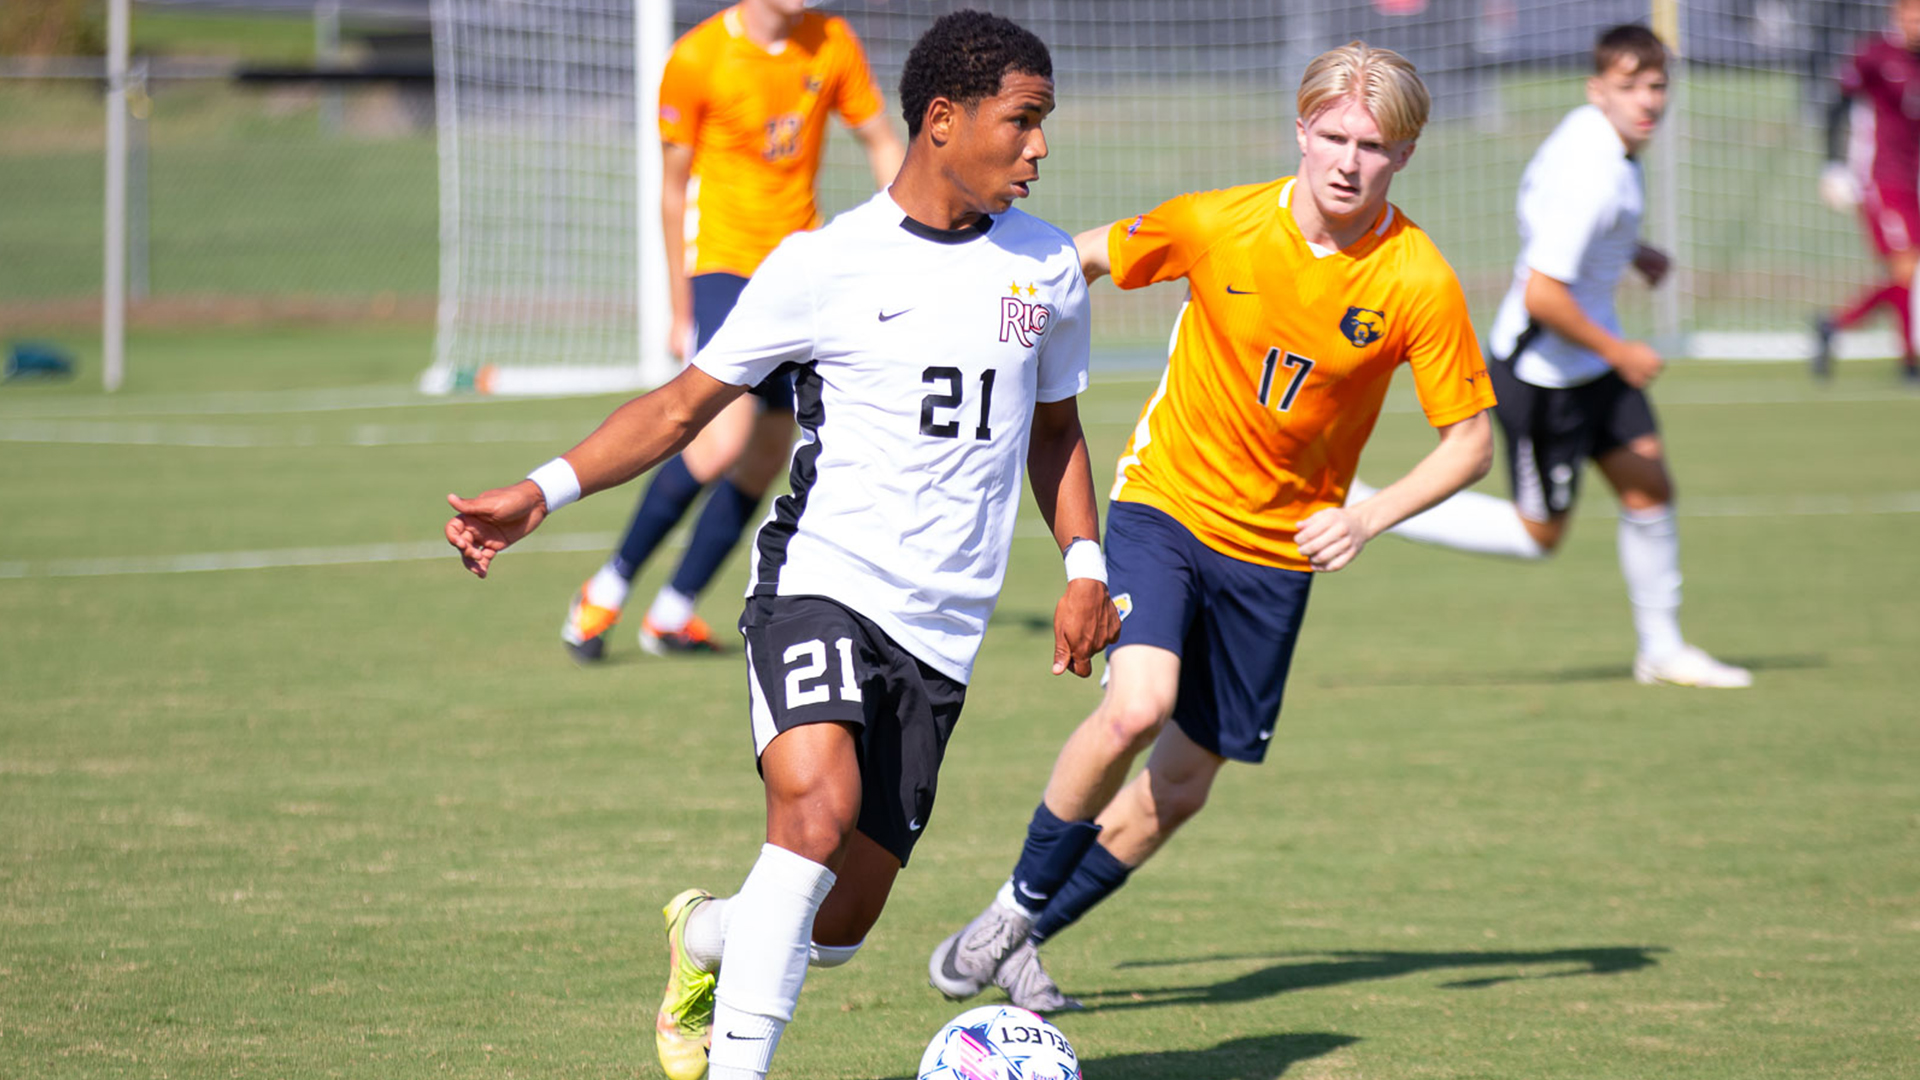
(962, 58)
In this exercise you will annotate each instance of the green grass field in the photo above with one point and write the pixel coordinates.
(364, 819)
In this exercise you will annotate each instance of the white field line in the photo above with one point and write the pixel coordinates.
(1899, 502)
(244, 403)
(228, 437)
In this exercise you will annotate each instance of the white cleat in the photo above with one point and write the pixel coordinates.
(1690, 666)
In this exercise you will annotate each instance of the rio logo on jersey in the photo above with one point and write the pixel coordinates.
(1363, 326)
(1023, 319)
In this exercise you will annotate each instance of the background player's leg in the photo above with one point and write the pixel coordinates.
(1901, 265)
(725, 518)
(812, 778)
(1649, 542)
(676, 483)
(1472, 522)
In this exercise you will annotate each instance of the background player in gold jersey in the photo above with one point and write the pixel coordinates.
(1306, 293)
(744, 102)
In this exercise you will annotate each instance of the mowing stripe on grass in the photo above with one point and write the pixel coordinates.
(73, 431)
(1899, 502)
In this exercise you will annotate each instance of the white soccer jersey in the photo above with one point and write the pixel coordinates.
(1581, 200)
(920, 356)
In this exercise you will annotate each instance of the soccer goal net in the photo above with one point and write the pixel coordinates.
(542, 283)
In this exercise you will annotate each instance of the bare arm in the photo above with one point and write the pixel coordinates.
(1332, 538)
(884, 152)
(1095, 262)
(1084, 621)
(639, 435)
(1551, 303)
(676, 170)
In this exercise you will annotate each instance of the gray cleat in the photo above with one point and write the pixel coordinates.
(1028, 984)
(965, 963)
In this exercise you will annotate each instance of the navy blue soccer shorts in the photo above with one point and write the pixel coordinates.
(713, 298)
(1232, 623)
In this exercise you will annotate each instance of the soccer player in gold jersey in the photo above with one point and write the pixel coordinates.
(1306, 294)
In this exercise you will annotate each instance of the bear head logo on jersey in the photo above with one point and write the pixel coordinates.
(1363, 326)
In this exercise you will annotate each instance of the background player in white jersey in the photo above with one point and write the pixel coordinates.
(938, 339)
(1571, 387)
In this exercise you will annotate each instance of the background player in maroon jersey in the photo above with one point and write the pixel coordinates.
(1877, 167)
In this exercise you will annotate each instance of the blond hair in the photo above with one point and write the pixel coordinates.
(1381, 80)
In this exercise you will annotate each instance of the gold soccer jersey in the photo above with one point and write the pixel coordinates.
(757, 122)
(1281, 360)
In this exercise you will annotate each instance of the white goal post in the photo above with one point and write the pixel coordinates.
(552, 278)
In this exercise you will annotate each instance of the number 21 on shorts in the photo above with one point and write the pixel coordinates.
(807, 680)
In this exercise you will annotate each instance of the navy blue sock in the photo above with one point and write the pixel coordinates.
(1097, 877)
(661, 508)
(715, 534)
(1053, 849)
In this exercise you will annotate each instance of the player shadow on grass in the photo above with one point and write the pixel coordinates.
(1256, 1057)
(1314, 970)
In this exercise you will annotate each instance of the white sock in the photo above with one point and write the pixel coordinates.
(705, 939)
(1650, 561)
(671, 610)
(1470, 521)
(832, 956)
(769, 934)
(706, 934)
(607, 589)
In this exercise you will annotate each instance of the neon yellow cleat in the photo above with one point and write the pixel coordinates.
(684, 1025)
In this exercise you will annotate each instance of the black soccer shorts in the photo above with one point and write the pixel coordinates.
(811, 660)
(1553, 431)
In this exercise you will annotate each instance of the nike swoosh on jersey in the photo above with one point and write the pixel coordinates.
(1243, 292)
(746, 1038)
(884, 317)
(1265, 735)
(915, 825)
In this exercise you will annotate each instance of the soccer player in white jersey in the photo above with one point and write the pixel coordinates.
(938, 339)
(1571, 387)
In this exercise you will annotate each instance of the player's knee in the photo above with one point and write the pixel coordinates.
(1130, 726)
(816, 822)
(831, 956)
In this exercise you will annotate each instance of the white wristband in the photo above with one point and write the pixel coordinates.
(1084, 560)
(558, 483)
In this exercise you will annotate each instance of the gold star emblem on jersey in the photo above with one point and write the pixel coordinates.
(1013, 288)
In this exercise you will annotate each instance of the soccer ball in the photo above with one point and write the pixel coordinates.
(999, 1042)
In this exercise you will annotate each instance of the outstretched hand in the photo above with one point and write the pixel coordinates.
(1084, 622)
(488, 522)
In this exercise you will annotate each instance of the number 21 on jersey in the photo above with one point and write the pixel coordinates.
(1298, 366)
